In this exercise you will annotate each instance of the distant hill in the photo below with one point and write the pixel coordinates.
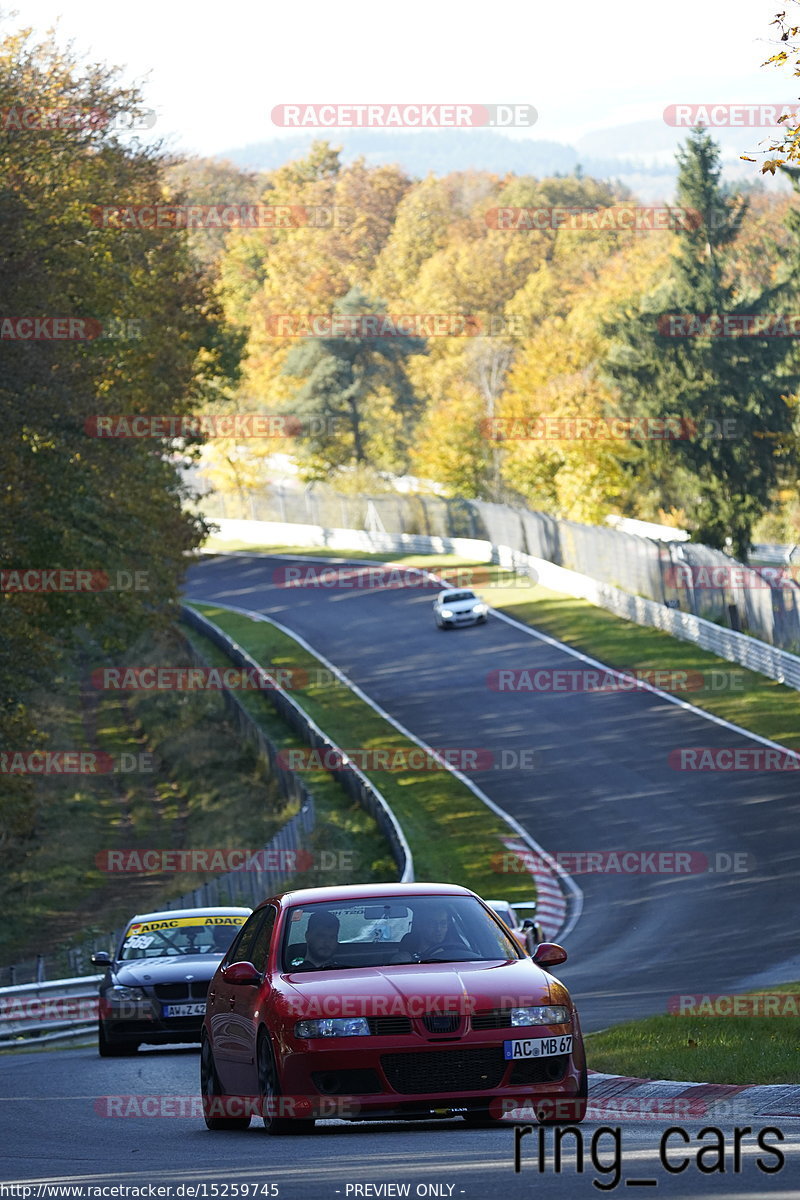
(641, 155)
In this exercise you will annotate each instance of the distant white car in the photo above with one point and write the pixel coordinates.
(455, 607)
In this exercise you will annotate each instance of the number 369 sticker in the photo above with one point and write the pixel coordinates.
(538, 1047)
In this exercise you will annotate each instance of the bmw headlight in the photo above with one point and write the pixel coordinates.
(447, 612)
(332, 1027)
(544, 1014)
(480, 608)
(120, 994)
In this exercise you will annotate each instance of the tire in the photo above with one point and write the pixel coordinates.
(210, 1090)
(270, 1095)
(107, 1048)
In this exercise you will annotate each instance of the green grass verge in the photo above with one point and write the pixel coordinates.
(452, 835)
(703, 1049)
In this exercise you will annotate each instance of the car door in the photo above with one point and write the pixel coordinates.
(228, 1033)
(242, 999)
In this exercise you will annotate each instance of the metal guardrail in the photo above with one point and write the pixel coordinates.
(48, 1012)
(691, 577)
(354, 782)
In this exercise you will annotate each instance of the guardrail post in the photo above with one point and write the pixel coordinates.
(40, 968)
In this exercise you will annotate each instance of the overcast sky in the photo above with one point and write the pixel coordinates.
(214, 71)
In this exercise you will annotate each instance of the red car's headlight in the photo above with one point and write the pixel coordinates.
(332, 1027)
(543, 1014)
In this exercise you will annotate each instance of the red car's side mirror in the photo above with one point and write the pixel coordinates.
(241, 972)
(548, 954)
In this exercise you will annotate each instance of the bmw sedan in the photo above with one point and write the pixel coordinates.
(452, 608)
(387, 1001)
(154, 989)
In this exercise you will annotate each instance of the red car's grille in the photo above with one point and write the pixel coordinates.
(441, 1022)
(388, 1026)
(498, 1018)
(457, 1070)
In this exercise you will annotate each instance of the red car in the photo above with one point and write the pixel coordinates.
(387, 1001)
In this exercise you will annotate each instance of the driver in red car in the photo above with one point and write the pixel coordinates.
(322, 940)
(430, 930)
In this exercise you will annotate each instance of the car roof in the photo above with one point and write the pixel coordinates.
(366, 891)
(228, 911)
(455, 592)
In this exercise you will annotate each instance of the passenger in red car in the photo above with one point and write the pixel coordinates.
(322, 940)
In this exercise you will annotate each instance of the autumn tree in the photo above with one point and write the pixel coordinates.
(149, 338)
(726, 395)
(354, 390)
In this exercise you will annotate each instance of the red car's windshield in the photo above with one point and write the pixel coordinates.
(392, 929)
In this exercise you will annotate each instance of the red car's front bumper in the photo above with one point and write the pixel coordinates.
(390, 1077)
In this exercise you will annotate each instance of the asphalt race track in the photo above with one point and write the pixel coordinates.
(57, 1128)
(601, 782)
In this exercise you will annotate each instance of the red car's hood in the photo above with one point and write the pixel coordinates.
(411, 990)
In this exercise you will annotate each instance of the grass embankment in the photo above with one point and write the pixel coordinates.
(705, 1049)
(452, 835)
(198, 786)
(342, 827)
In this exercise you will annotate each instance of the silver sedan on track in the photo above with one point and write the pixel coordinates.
(454, 607)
